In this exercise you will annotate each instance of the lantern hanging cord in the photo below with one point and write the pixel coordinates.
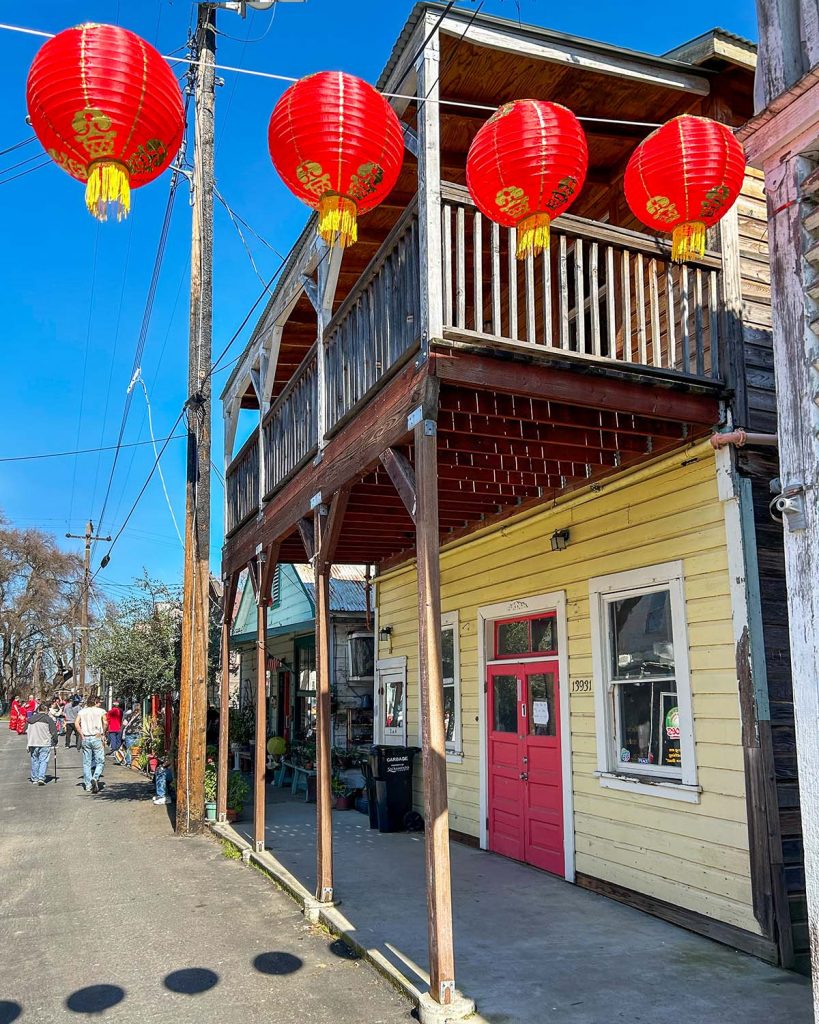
(388, 95)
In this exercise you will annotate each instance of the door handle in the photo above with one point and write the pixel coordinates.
(524, 776)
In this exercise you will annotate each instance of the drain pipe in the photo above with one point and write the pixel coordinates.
(739, 438)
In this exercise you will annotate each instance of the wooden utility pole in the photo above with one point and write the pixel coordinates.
(88, 537)
(193, 690)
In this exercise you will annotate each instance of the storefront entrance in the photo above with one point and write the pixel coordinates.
(525, 782)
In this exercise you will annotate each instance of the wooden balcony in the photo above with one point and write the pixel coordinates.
(601, 298)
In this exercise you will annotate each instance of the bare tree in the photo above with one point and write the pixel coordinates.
(40, 588)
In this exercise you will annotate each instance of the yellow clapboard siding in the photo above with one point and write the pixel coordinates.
(711, 904)
(671, 513)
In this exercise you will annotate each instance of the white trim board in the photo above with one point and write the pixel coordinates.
(487, 615)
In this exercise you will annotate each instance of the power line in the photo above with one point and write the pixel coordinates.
(30, 170)
(84, 451)
(22, 163)
(18, 145)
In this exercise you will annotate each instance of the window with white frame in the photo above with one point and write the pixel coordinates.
(642, 683)
(452, 682)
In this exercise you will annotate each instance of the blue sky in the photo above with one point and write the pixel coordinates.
(74, 291)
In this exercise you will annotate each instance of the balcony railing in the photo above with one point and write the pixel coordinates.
(377, 324)
(599, 292)
(243, 485)
(290, 429)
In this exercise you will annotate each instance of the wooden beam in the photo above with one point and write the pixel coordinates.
(306, 533)
(228, 599)
(403, 477)
(332, 531)
(266, 558)
(324, 810)
(433, 738)
(429, 183)
(584, 389)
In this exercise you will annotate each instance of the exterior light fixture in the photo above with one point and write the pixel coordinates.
(385, 634)
(560, 540)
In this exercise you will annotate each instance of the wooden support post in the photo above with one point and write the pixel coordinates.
(433, 738)
(228, 598)
(266, 560)
(402, 475)
(429, 184)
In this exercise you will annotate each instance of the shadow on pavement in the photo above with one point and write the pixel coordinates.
(277, 963)
(191, 980)
(9, 1011)
(95, 998)
(139, 789)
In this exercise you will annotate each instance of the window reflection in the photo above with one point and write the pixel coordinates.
(506, 703)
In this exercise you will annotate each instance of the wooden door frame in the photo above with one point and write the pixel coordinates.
(392, 664)
(486, 617)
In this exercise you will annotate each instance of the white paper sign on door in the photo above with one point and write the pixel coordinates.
(540, 712)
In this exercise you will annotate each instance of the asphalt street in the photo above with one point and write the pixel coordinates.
(108, 916)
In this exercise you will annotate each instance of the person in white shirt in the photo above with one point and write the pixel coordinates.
(91, 725)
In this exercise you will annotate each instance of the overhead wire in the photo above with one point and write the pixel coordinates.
(83, 451)
(18, 145)
(29, 170)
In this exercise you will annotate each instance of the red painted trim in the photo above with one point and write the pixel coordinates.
(522, 654)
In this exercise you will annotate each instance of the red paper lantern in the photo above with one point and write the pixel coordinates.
(683, 178)
(525, 167)
(338, 146)
(107, 109)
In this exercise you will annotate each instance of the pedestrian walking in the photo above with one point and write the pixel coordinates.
(115, 726)
(57, 713)
(131, 729)
(91, 725)
(41, 736)
(70, 711)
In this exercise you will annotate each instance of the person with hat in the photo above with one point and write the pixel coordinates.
(115, 727)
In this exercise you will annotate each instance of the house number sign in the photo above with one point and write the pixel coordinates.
(581, 685)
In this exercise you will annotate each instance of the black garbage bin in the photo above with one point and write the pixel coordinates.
(391, 768)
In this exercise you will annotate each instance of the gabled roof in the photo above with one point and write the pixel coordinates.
(717, 44)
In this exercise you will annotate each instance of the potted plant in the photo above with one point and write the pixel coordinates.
(237, 790)
(342, 793)
(210, 790)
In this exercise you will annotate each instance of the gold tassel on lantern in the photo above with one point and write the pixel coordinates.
(688, 241)
(108, 183)
(533, 235)
(337, 220)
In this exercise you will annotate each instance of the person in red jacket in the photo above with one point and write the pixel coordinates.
(115, 726)
(14, 713)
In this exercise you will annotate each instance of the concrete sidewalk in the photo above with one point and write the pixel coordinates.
(529, 947)
(107, 915)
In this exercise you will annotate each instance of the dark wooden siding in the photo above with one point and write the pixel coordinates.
(756, 306)
(762, 467)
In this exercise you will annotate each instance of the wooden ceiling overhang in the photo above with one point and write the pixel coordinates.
(512, 433)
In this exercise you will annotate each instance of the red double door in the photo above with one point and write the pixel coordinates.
(525, 775)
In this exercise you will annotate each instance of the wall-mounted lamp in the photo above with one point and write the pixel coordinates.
(385, 634)
(560, 540)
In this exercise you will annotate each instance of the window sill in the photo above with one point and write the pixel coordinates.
(454, 757)
(662, 788)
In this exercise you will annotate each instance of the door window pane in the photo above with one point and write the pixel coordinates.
(648, 723)
(505, 714)
(642, 643)
(541, 704)
(394, 704)
(544, 634)
(513, 638)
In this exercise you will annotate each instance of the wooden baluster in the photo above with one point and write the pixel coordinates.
(446, 212)
(594, 298)
(684, 317)
(654, 300)
(547, 298)
(579, 296)
(496, 286)
(698, 322)
(713, 309)
(477, 271)
(628, 349)
(670, 316)
(460, 268)
(530, 299)
(513, 284)
(611, 304)
(563, 281)
(642, 353)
